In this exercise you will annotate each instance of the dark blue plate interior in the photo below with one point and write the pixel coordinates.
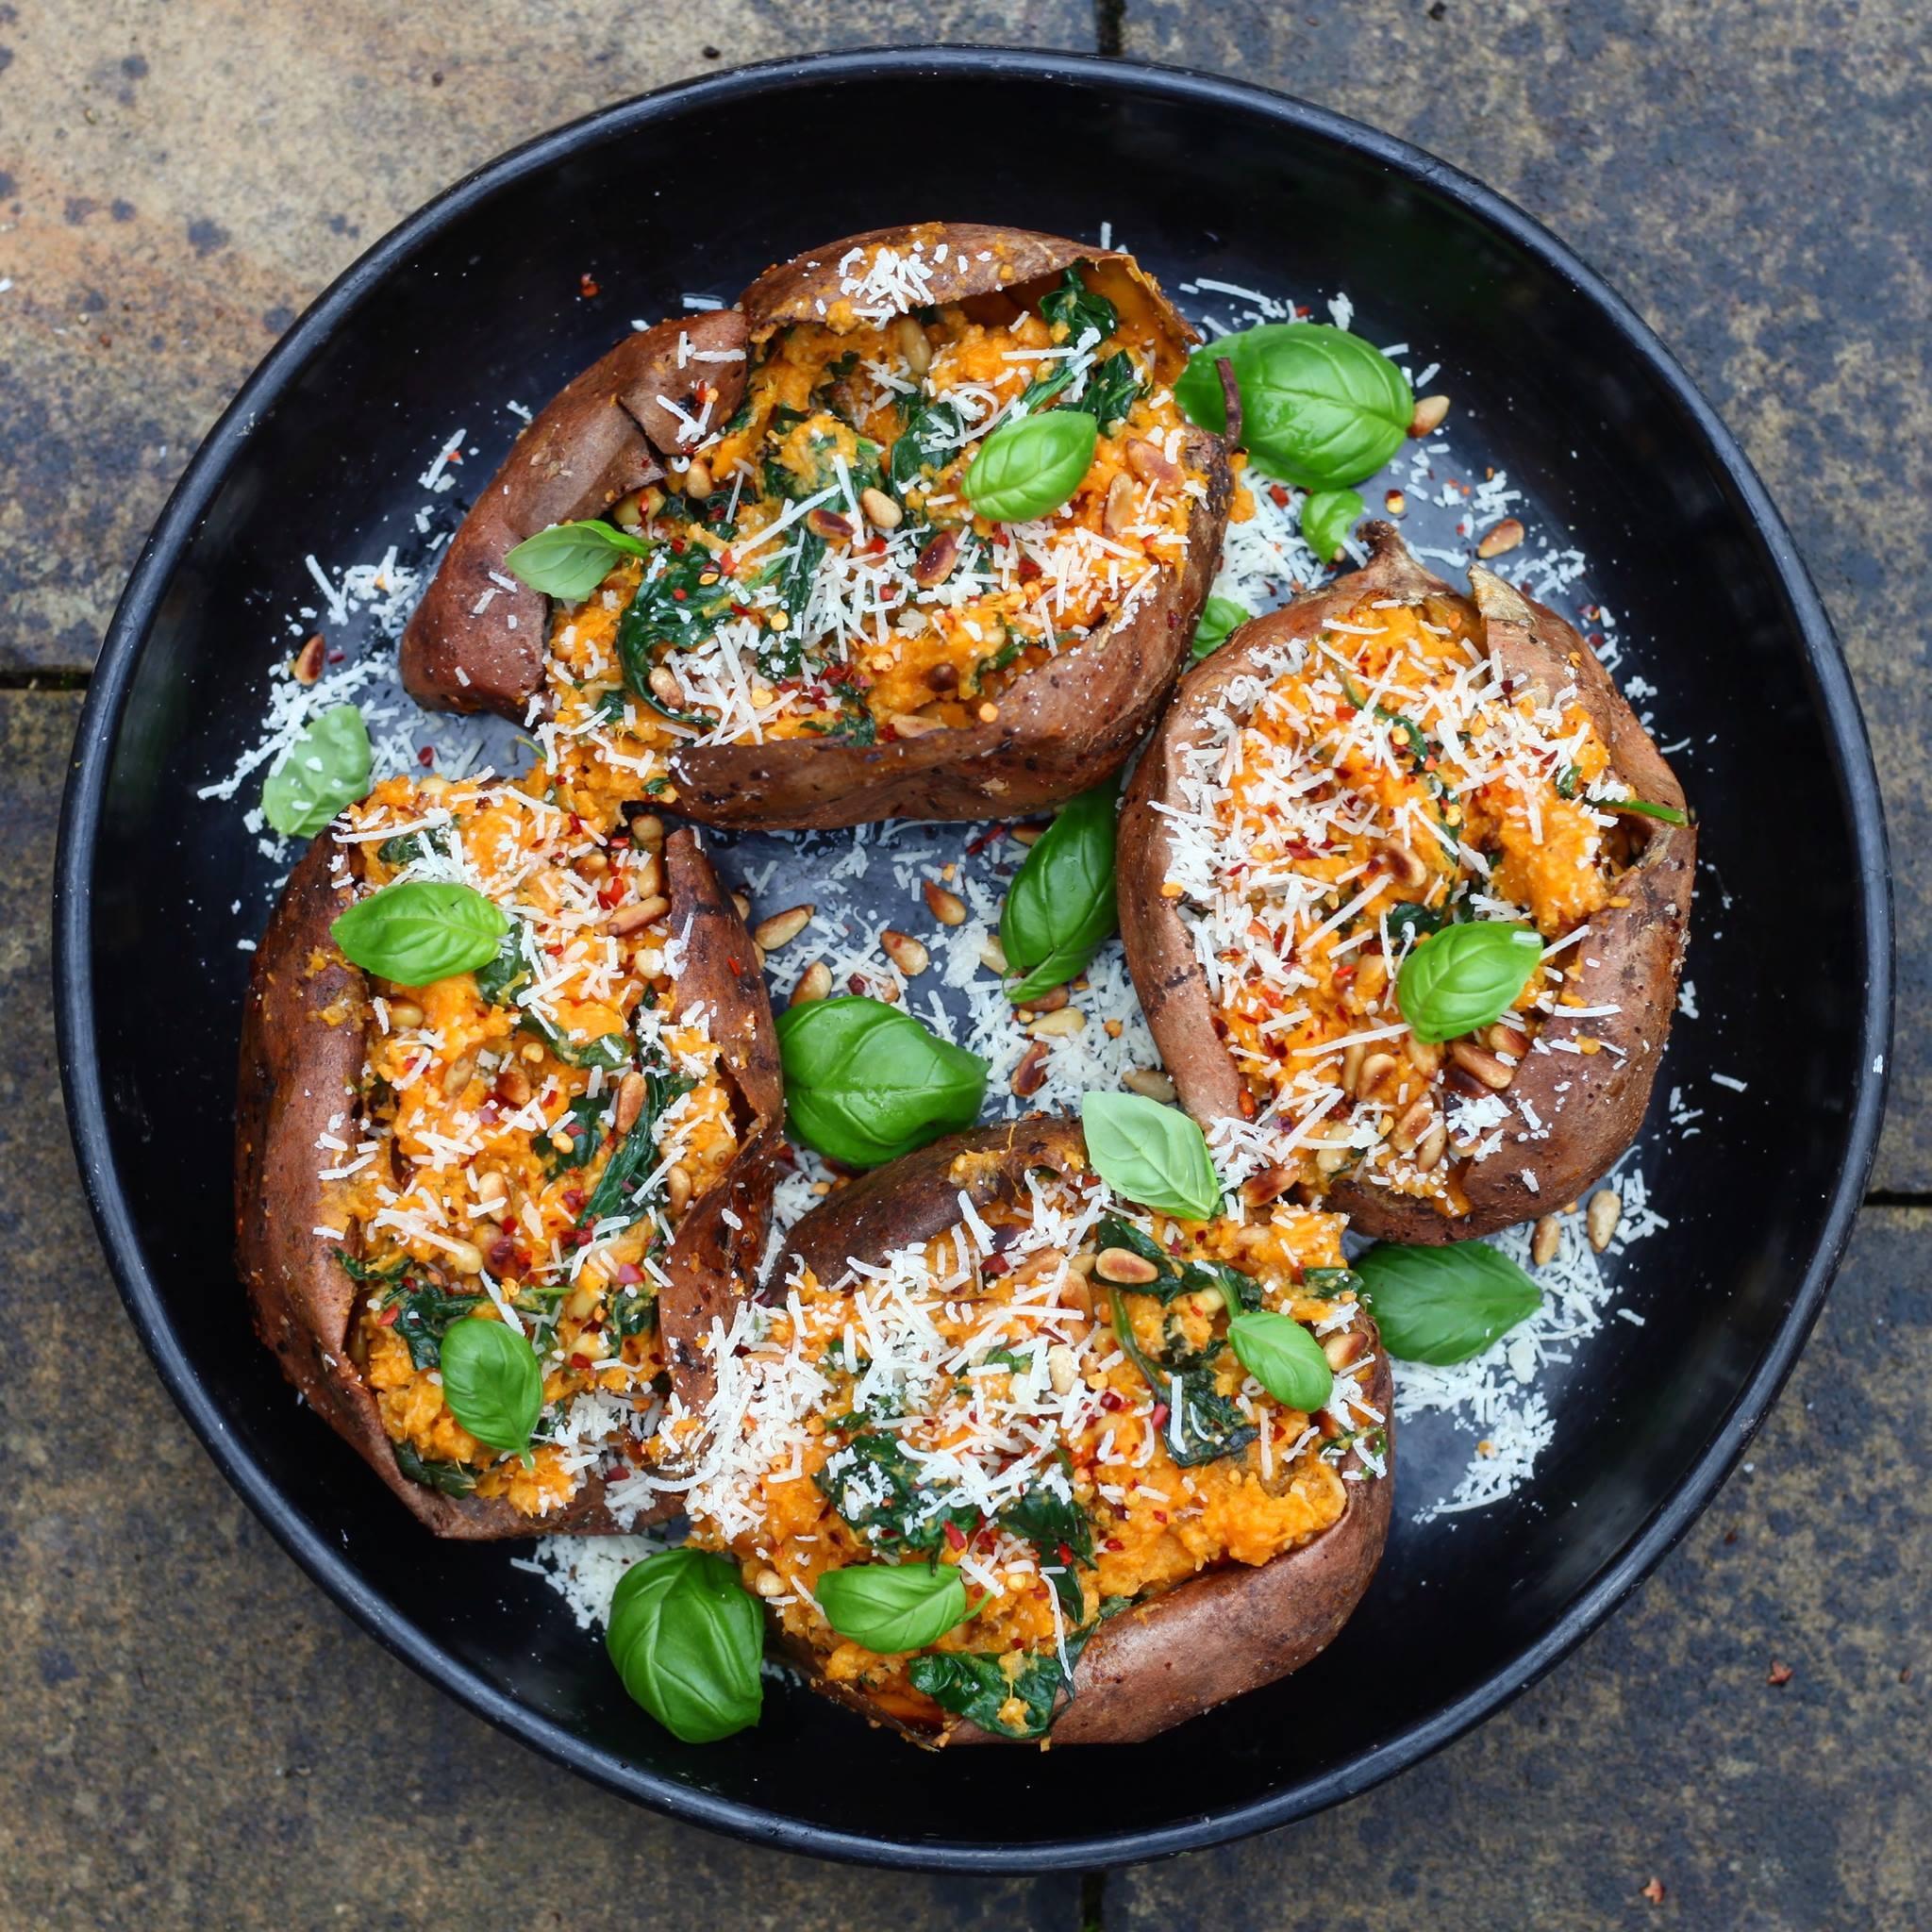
(478, 299)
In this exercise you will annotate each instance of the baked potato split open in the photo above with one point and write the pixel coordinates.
(1344, 782)
(978, 1357)
(575, 1138)
(815, 621)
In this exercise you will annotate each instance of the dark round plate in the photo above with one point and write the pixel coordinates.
(697, 188)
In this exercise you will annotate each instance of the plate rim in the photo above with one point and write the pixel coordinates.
(83, 1086)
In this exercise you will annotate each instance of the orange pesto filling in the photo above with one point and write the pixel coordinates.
(814, 567)
(529, 1135)
(1386, 784)
(972, 1402)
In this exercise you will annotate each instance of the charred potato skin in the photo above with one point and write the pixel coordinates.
(1632, 957)
(478, 639)
(1220, 1635)
(1062, 727)
(304, 1038)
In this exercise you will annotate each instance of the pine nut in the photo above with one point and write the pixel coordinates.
(647, 829)
(1125, 1268)
(909, 338)
(1430, 1152)
(1481, 1062)
(769, 1584)
(403, 1015)
(881, 512)
(1406, 868)
(1395, 503)
(1051, 1001)
(456, 1075)
(907, 953)
(934, 565)
(1428, 419)
(647, 876)
(629, 918)
(1059, 1368)
(664, 686)
(677, 1189)
(1504, 535)
(829, 524)
(308, 664)
(1544, 1239)
(781, 929)
(1370, 978)
(1412, 1126)
(1149, 1082)
(1352, 1066)
(742, 901)
(1269, 1185)
(992, 956)
(1331, 1161)
(466, 1258)
(513, 1086)
(1027, 835)
(1424, 1055)
(814, 983)
(1060, 1024)
(1344, 1346)
(1376, 1069)
(697, 479)
(1601, 1217)
(647, 963)
(631, 1101)
(910, 724)
(1503, 1037)
(947, 908)
(1029, 1076)
(1119, 512)
(1149, 462)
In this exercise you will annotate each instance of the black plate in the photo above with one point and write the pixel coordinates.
(696, 189)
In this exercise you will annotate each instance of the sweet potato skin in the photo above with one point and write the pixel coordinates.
(1226, 1632)
(478, 641)
(1632, 957)
(304, 1027)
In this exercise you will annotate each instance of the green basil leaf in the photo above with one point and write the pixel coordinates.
(977, 1688)
(1444, 1305)
(1284, 1358)
(688, 1637)
(1113, 387)
(1078, 309)
(420, 931)
(327, 768)
(1060, 904)
(450, 1478)
(1030, 466)
(1151, 1154)
(1644, 809)
(570, 561)
(1320, 407)
(865, 1082)
(1327, 517)
(1465, 976)
(1221, 617)
(891, 1608)
(492, 1382)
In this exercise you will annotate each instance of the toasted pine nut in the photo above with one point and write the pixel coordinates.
(1027, 835)
(513, 1086)
(781, 929)
(697, 479)
(1601, 1217)
(677, 1189)
(1344, 1346)
(629, 918)
(881, 512)
(909, 338)
(1029, 1076)
(1269, 1185)
(1351, 1065)
(768, 1583)
(1424, 1055)
(466, 1258)
(1119, 512)
(1505, 536)
(1150, 462)
(830, 524)
(1395, 503)
(647, 876)
(907, 953)
(1544, 1239)
(1406, 868)
(1059, 1368)
(456, 1075)
(742, 901)
(947, 908)
(1503, 1037)
(1149, 1082)
(814, 983)
(992, 956)
(1429, 412)
(647, 829)
(308, 664)
(1413, 1125)
(1332, 1159)
(1062, 1024)
(404, 1014)
(631, 1101)
(1376, 1069)
(910, 724)
(1122, 1265)
(1479, 1060)
(1051, 1001)
(1431, 1150)
(664, 685)
(934, 565)
(1370, 978)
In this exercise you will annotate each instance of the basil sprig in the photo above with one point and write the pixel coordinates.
(1444, 1305)
(1031, 465)
(1060, 904)
(1644, 807)
(1465, 976)
(492, 1382)
(1284, 1358)
(686, 1638)
(1151, 1154)
(570, 561)
(1320, 407)
(865, 1082)
(891, 1608)
(1221, 617)
(1327, 517)
(327, 768)
(420, 931)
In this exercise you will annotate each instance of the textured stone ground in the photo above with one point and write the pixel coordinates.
(190, 1735)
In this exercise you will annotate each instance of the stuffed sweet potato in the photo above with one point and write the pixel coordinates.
(982, 1376)
(854, 584)
(571, 1141)
(1405, 889)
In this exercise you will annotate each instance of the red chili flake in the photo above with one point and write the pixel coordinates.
(743, 610)
(727, 564)
(1160, 1416)
(733, 964)
(629, 1274)
(984, 839)
(386, 1319)
(1030, 572)
(573, 1199)
(426, 757)
(955, 1537)
(876, 547)
(995, 1264)
(678, 596)
(1065, 1555)
(1277, 496)
(1113, 1542)
(579, 1361)
(1779, 1676)
(337, 656)
(1343, 974)
(587, 287)
(1160, 1516)
(503, 1254)
(581, 1238)
(677, 546)
(1112, 1400)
